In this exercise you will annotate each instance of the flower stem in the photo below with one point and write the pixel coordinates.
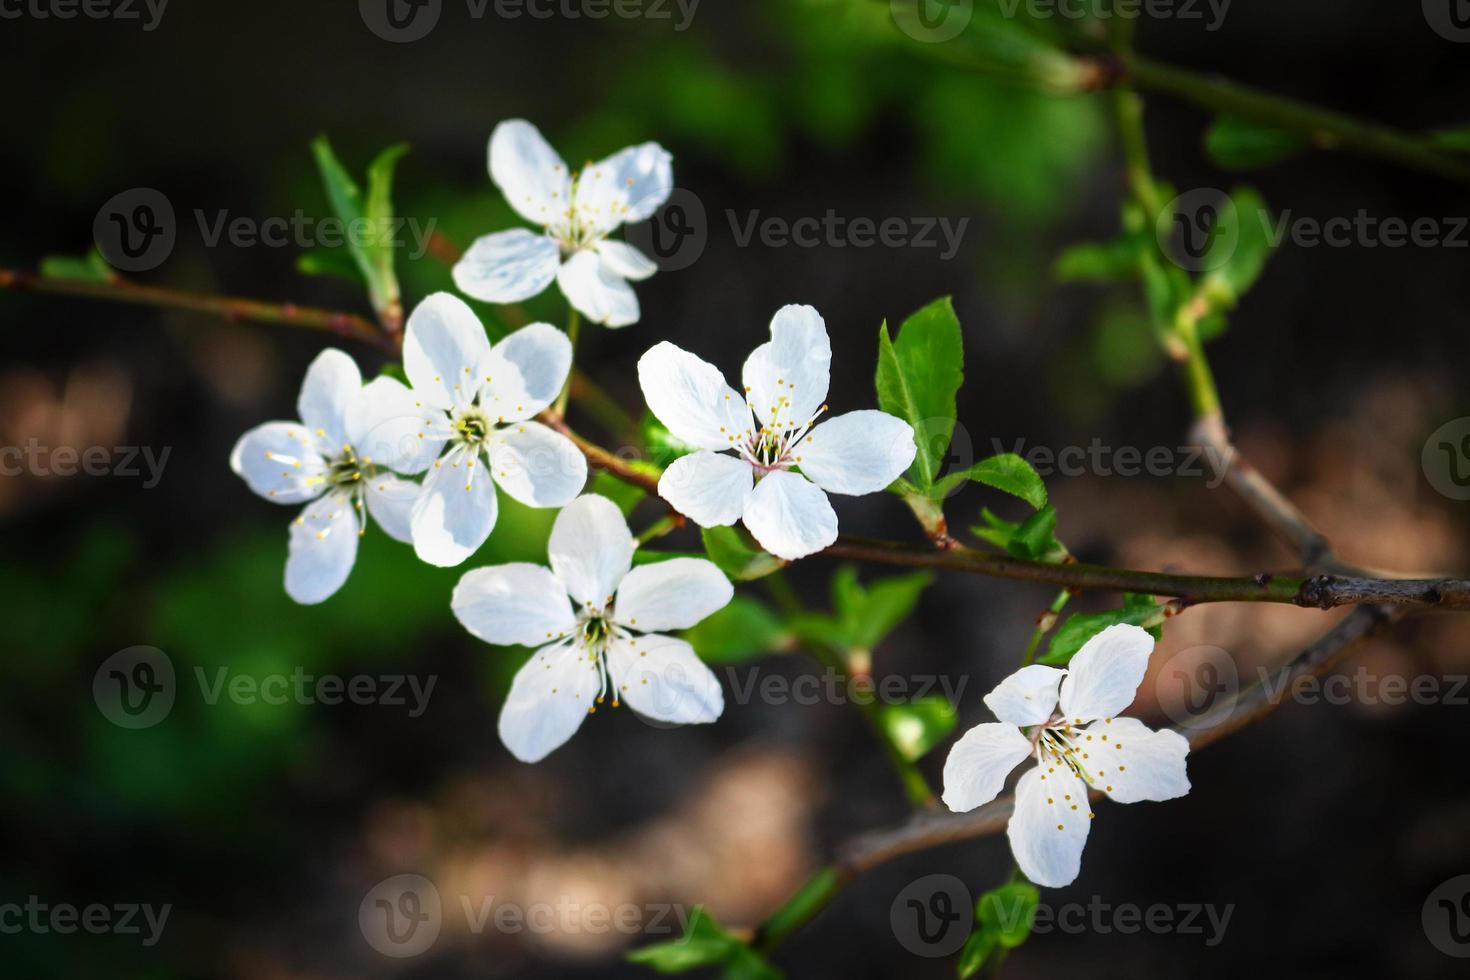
(800, 908)
(574, 328)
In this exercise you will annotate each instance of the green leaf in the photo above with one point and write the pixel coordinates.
(978, 947)
(1036, 538)
(743, 629)
(367, 221)
(91, 267)
(1007, 912)
(704, 943)
(337, 263)
(918, 377)
(1237, 144)
(737, 554)
(625, 495)
(746, 964)
(1239, 250)
(867, 615)
(996, 530)
(1012, 474)
(916, 727)
(1138, 610)
(663, 447)
(1115, 261)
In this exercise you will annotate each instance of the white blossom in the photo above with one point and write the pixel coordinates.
(1067, 720)
(320, 459)
(577, 211)
(762, 458)
(467, 423)
(597, 621)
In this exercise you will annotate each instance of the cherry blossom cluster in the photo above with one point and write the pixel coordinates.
(426, 461)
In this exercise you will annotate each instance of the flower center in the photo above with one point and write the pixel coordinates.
(472, 426)
(348, 470)
(777, 444)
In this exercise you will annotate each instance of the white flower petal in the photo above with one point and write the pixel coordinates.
(525, 372)
(388, 426)
(625, 187)
(444, 346)
(671, 595)
(977, 766)
(508, 266)
(625, 261)
(548, 701)
(663, 678)
(456, 510)
(789, 516)
(786, 378)
(1027, 697)
(1103, 677)
(518, 603)
(529, 172)
(857, 453)
(591, 549)
(690, 397)
(390, 501)
(331, 383)
(1048, 829)
(538, 466)
(601, 295)
(323, 547)
(711, 489)
(280, 461)
(1135, 763)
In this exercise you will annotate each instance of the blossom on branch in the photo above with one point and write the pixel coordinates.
(320, 459)
(596, 621)
(783, 464)
(577, 211)
(1067, 720)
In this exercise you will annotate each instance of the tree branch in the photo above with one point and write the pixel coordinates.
(349, 326)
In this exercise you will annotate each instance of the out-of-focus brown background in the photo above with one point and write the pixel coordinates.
(1324, 830)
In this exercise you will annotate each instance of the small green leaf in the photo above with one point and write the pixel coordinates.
(1139, 610)
(737, 554)
(1242, 249)
(746, 964)
(996, 530)
(91, 267)
(743, 629)
(334, 262)
(1236, 144)
(663, 447)
(367, 222)
(625, 495)
(1115, 261)
(1008, 912)
(1012, 474)
(1036, 537)
(978, 947)
(918, 377)
(867, 615)
(704, 943)
(916, 727)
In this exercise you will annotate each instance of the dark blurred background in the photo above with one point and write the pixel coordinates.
(1325, 828)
